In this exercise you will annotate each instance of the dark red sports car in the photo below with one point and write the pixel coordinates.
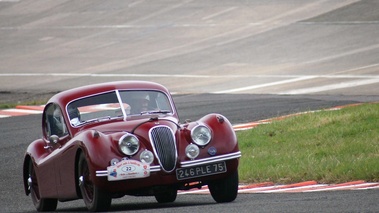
(108, 140)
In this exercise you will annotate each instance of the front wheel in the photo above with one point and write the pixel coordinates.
(225, 190)
(167, 195)
(94, 198)
(41, 204)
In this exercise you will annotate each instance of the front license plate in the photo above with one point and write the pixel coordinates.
(202, 170)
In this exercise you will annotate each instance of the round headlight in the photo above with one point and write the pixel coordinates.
(128, 144)
(192, 151)
(146, 157)
(201, 135)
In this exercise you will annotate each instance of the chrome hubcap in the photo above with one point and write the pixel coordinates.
(30, 182)
(81, 181)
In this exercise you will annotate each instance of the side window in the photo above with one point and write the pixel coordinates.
(54, 121)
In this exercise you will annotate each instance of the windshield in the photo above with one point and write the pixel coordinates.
(117, 104)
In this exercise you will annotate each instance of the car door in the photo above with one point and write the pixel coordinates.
(63, 154)
(55, 130)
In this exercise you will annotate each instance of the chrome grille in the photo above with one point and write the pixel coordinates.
(163, 141)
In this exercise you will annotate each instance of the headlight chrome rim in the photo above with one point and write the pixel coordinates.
(129, 144)
(201, 135)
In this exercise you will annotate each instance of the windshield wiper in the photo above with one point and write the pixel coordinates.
(96, 120)
(156, 112)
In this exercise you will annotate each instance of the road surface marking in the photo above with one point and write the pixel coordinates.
(363, 80)
(307, 186)
(219, 13)
(265, 85)
(331, 87)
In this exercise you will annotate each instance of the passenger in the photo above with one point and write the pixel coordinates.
(57, 126)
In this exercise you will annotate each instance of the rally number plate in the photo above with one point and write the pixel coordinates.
(128, 169)
(201, 170)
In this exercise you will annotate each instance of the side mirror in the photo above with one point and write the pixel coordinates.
(53, 139)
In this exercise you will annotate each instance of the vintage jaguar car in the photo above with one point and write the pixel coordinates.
(108, 140)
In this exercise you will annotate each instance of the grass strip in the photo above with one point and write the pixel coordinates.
(28, 103)
(326, 146)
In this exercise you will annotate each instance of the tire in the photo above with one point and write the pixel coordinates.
(225, 190)
(41, 204)
(94, 198)
(168, 195)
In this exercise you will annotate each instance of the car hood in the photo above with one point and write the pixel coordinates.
(136, 126)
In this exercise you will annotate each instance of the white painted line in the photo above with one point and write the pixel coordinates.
(366, 79)
(308, 188)
(135, 3)
(197, 45)
(338, 22)
(219, 13)
(369, 187)
(355, 186)
(105, 75)
(331, 87)
(344, 54)
(159, 12)
(23, 111)
(151, 75)
(257, 189)
(265, 85)
(359, 68)
(194, 76)
(294, 188)
(5, 116)
(194, 191)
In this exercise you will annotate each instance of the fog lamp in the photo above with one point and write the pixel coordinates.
(192, 151)
(146, 157)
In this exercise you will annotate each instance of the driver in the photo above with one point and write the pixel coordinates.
(139, 103)
(74, 115)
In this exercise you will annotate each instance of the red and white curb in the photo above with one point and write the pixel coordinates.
(21, 111)
(307, 186)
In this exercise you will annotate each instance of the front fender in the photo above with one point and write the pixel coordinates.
(98, 148)
(25, 175)
(34, 153)
(224, 135)
(223, 145)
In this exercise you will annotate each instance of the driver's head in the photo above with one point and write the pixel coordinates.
(74, 115)
(140, 102)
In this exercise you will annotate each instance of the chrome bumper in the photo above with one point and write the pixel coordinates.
(190, 163)
(214, 159)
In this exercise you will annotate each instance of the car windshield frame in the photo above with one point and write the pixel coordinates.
(118, 104)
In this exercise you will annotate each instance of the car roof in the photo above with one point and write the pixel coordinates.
(63, 98)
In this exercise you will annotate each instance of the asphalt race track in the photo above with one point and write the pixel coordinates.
(246, 59)
(287, 47)
(17, 132)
